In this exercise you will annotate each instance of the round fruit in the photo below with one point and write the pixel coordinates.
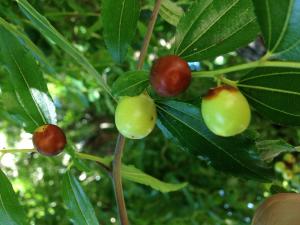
(49, 140)
(289, 158)
(135, 117)
(279, 209)
(170, 76)
(280, 167)
(226, 111)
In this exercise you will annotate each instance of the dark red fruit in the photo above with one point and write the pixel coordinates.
(170, 76)
(49, 140)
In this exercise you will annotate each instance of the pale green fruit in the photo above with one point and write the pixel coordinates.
(226, 111)
(280, 167)
(135, 117)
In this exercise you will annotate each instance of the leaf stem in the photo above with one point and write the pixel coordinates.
(3, 151)
(251, 65)
(105, 162)
(117, 162)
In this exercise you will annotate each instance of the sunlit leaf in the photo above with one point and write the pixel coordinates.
(11, 213)
(43, 25)
(131, 83)
(24, 90)
(214, 27)
(279, 22)
(80, 210)
(171, 12)
(133, 174)
(120, 19)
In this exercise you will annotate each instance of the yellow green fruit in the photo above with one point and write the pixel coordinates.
(135, 117)
(280, 167)
(226, 111)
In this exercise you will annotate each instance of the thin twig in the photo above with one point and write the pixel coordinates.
(3, 151)
(117, 180)
(117, 163)
(149, 34)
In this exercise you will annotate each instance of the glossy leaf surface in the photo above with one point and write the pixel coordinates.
(274, 92)
(24, 91)
(131, 83)
(80, 210)
(24, 40)
(214, 27)
(237, 155)
(120, 19)
(44, 26)
(279, 22)
(11, 212)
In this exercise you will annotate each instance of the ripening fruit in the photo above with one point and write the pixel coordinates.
(49, 140)
(226, 111)
(280, 167)
(279, 209)
(289, 158)
(135, 117)
(170, 76)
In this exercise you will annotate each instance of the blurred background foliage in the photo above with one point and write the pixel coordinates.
(86, 114)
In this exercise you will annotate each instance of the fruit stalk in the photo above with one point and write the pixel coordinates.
(117, 162)
(117, 180)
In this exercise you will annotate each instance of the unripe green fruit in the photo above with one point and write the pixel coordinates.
(289, 158)
(226, 111)
(280, 167)
(135, 117)
(288, 175)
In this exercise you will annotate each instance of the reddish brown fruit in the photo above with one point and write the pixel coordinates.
(49, 140)
(170, 76)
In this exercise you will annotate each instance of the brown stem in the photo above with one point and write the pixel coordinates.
(117, 162)
(149, 34)
(117, 180)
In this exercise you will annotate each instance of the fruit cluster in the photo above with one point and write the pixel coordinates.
(225, 110)
(288, 167)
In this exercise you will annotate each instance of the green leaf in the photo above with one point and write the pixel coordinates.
(80, 210)
(131, 83)
(43, 25)
(170, 12)
(279, 22)
(133, 174)
(214, 27)
(24, 91)
(274, 92)
(275, 189)
(11, 212)
(24, 40)
(269, 149)
(183, 123)
(120, 19)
